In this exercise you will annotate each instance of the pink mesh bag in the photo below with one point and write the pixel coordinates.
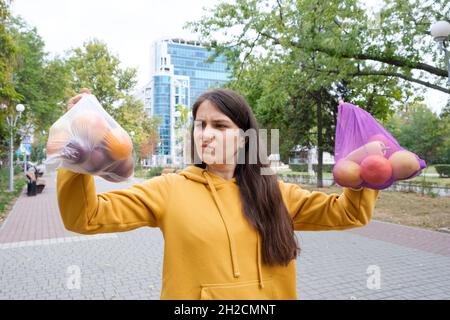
(367, 155)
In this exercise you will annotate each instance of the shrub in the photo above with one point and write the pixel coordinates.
(443, 170)
(299, 167)
(154, 171)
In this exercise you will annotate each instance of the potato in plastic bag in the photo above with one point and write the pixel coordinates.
(367, 155)
(86, 139)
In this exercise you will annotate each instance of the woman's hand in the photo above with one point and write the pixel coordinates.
(72, 101)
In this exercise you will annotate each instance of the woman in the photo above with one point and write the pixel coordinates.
(228, 228)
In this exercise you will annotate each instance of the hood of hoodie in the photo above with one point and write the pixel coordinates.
(201, 175)
(214, 182)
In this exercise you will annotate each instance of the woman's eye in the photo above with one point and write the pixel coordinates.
(221, 126)
(197, 124)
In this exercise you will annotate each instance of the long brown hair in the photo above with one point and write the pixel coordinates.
(260, 194)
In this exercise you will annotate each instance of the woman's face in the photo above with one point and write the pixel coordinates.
(216, 136)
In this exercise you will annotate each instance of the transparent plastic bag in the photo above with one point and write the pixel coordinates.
(367, 155)
(86, 139)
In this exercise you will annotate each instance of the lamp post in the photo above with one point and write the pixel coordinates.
(440, 32)
(12, 120)
(24, 150)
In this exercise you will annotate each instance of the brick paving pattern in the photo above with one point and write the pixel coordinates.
(38, 259)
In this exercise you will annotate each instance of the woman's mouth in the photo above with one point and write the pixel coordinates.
(206, 148)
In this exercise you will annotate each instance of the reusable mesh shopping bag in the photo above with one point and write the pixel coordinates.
(367, 155)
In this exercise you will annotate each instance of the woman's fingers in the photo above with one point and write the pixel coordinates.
(73, 101)
(77, 98)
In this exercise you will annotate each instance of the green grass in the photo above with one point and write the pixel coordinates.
(444, 182)
(412, 209)
(7, 198)
(325, 175)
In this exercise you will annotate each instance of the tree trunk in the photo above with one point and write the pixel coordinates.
(319, 145)
(310, 164)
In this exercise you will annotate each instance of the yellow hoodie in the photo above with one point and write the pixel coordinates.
(210, 250)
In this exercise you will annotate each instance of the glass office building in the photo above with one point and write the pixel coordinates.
(180, 73)
(190, 60)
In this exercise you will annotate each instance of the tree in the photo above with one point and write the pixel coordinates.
(419, 130)
(390, 43)
(444, 147)
(8, 95)
(42, 82)
(181, 130)
(7, 56)
(39, 83)
(445, 113)
(132, 117)
(327, 50)
(272, 90)
(94, 66)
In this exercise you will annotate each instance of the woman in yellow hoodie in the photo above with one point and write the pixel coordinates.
(228, 226)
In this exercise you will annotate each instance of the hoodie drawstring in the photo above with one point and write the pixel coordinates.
(258, 255)
(234, 262)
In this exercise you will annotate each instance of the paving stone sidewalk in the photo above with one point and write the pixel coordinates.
(39, 259)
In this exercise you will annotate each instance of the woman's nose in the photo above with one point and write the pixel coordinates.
(207, 133)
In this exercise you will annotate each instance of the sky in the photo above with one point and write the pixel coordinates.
(128, 27)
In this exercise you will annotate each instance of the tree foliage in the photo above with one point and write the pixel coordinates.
(294, 60)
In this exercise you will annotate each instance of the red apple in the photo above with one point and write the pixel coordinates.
(376, 170)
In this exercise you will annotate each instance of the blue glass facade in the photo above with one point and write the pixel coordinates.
(181, 75)
(190, 61)
(161, 108)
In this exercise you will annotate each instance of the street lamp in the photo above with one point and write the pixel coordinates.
(440, 32)
(12, 120)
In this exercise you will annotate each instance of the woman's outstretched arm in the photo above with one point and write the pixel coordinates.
(84, 211)
(320, 211)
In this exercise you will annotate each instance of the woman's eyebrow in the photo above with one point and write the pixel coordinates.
(214, 120)
(220, 120)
